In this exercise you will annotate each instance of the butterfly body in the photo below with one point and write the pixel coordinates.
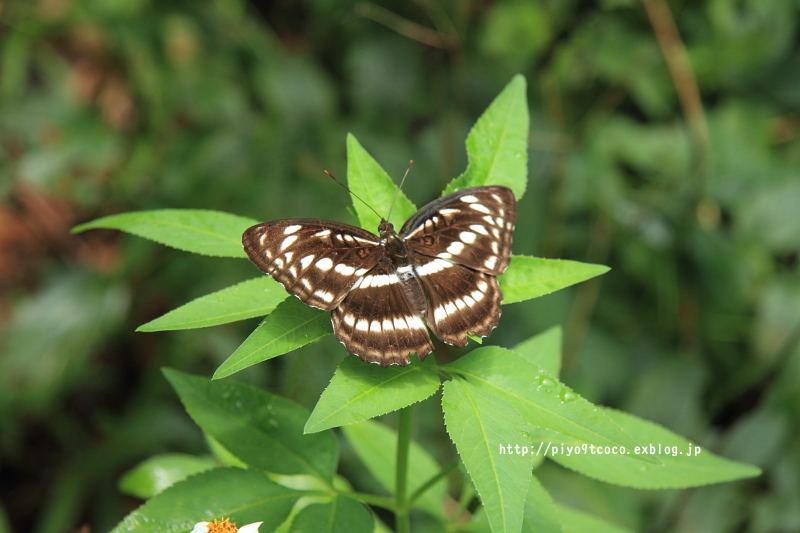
(383, 290)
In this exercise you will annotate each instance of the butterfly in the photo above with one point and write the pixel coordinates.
(384, 291)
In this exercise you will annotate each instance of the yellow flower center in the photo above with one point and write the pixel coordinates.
(222, 526)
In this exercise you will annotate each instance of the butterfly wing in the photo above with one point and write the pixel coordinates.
(471, 227)
(376, 320)
(460, 242)
(318, 261)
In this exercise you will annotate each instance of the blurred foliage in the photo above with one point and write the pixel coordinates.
(109, 106)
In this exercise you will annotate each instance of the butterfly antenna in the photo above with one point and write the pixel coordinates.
(354, 194)
(399, 188)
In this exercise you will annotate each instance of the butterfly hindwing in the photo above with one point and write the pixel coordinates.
(316, 260)
(461, 301)
(377, 322)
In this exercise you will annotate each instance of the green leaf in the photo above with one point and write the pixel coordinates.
(574, 521)
(479, 423)
(540, 514)
(376, 446)
(372, 184)
(359, 391)
(293, 324)
(192, 230)
(262, 429)
(497, 145)
(543, 350)
(341, 515)
(540, 398)
(248, 299)
(679, 470)
(155, 474)
(245, 496)
(531, 277)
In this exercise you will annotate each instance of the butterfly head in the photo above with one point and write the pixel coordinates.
(385, 230)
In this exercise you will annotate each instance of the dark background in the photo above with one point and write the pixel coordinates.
(664, 143)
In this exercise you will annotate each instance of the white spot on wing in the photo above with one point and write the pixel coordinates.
(288, 230)
(477, 228)
(490, 261)
(349, 319)
(477, 296)
(480, 208)
(307, 260)
(467, 236)
(455, 247)
(437, 265)
(415, 322)
(325, 296)
(362, 325)
(322, 233)
(288, 241)
(468, 198)
(324, 264)
(344, 270)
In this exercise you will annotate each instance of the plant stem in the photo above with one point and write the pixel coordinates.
(401, 469)
(432, 481)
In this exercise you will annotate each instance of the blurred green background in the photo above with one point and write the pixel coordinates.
(665, 142)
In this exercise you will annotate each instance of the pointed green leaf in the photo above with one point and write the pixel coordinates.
(372, 184)
(574, 521)
(192, 230)
(156, 473)
(497, 145)
(543, 350)
(540, 398)
(681, 466)
(481, 425)
(541, 515)
(376, 446)
(359, 391)
(340, 515)
(292, 325)
(245, 496)
(531, 277)
(262, 429)
(248, 299)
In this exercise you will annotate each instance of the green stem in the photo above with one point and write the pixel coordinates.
(371, 499)
(444, 472)
(401, 469)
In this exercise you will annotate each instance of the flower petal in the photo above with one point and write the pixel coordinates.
(250, 528)
(200, 527)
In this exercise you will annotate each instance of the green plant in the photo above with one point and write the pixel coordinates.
(502, 408)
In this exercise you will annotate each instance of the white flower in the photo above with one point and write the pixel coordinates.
(224, 526)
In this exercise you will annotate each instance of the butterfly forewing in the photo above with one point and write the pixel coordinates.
(316, 260)
(439, 269)
(471, 227)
